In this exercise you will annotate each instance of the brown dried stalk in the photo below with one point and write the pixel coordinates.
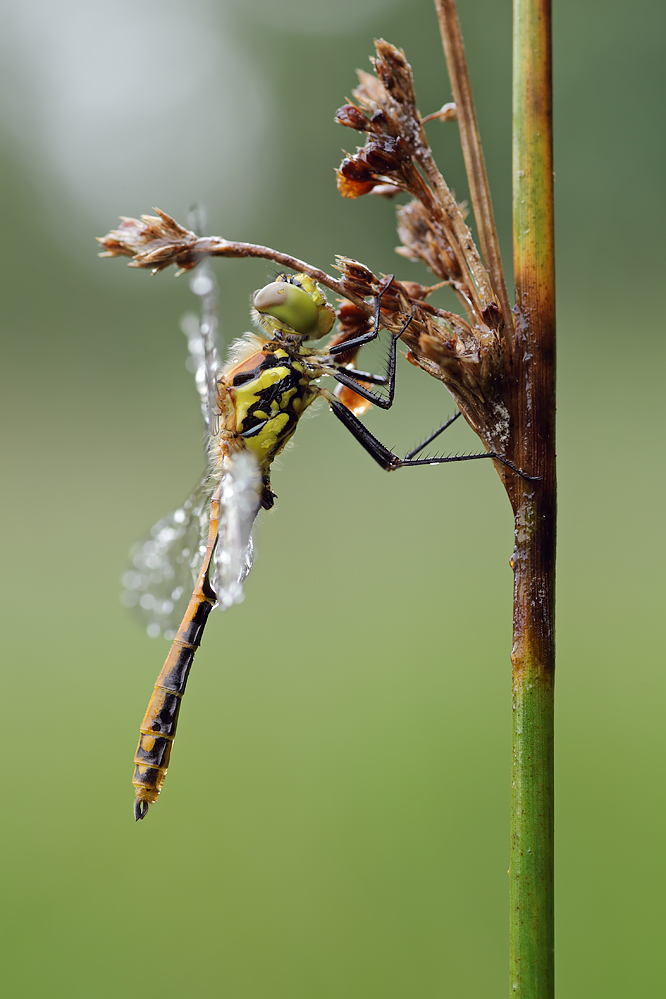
(470, 141)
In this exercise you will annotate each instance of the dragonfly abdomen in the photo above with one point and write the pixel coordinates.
(158, 729)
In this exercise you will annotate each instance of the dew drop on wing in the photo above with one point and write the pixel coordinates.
(239, 504)
(202, 341)
(165, 565)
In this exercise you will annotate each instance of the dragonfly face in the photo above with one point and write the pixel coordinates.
(293, 304)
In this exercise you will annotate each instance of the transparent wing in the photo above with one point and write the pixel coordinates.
(202, 331)
(165, 565)
(239, 505)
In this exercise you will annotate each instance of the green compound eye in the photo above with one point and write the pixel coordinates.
(288, 304)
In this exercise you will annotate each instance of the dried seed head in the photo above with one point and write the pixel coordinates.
(385, 159)
(356, 277)
(153, 241)
(354, 179)
(352, 117)
(448, 112)
(422, 241)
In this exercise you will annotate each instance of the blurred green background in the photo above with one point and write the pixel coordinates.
(335, 821)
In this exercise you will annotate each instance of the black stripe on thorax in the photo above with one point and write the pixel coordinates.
(271, 360)
(293, 379)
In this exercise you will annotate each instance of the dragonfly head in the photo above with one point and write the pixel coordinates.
(293, 304)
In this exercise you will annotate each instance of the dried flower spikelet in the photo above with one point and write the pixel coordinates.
(354, 180)
(358, 280)
(370, 92)
(425, 327)
(448, 112)
(439, 348)
(395, 74)
(388, 115)
(416, 291)
(394, 298)
(152, 241)
(352, 117)
(384, 160)
(420, 241)
(356, 277)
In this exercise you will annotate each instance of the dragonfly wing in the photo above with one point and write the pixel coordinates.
(165, 565)
(203, 342)
(239, 505)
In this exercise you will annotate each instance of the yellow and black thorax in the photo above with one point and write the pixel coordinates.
(264, 396)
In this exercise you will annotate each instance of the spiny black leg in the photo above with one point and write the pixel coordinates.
(387, 459)
(471, 457)
(365, 376)
(347, 377)
(360, 341)
(390, 461)
(353, 379)
(432, 437)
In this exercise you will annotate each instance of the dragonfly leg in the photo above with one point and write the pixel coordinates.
(387, 459)
(391, 461)
(355, 379)
(429, 440)
(360, 341)
(350, 378)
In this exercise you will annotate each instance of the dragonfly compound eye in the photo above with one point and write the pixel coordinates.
(290, 305)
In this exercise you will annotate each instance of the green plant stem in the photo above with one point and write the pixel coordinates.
(532, 408)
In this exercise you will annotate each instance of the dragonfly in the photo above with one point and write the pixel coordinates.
(252, 406)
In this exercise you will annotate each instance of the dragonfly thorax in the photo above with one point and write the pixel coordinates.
(261, 398)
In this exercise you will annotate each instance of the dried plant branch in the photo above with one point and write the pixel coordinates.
(396, 147)
(470, 140)
(468, 358)
(155, 242)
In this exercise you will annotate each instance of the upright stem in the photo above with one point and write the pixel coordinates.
(532, 407)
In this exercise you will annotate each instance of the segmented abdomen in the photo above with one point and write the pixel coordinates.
(158, 728)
